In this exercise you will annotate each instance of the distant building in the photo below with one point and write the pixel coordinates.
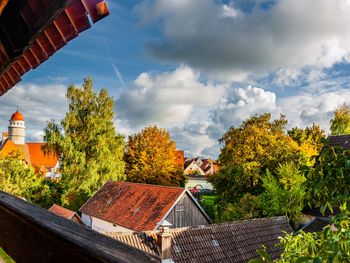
(234, 242)
(125, 207)
(31, 153)
(198, 170)
(66, 213)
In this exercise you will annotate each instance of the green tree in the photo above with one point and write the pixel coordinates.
(310, 141)
(284, 194)
(90, 151)
(257, 145)
(18, 178)
(328, 183)
(151, 158)
(340, 124)
(330, 245)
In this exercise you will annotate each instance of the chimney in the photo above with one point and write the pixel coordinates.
(164, 241)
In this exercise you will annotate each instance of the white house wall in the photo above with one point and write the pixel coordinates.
(100, 225)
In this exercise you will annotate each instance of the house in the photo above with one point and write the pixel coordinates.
(66, 213)
(124, 207)
(198, 170)
(342, 141)
(31, 153)
(227, 242)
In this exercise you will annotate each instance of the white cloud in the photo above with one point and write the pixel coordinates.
(228, 43)
(166, 99)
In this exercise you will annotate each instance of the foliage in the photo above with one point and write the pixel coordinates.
(284, 194)
(257, 145)
(50, 193)
(310, 141)
(90, 151)
(208, 204)
(18, 178)
(329, 182)
(150, 158)
(329, 245)
(21, 180)
(340, 124)
(248, 207)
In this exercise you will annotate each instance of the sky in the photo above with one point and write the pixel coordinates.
(198, 67)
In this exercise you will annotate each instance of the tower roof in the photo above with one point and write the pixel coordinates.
(17, 116)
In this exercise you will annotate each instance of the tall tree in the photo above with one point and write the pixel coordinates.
(310, 140)
(90, 151)
(340, 124)
(151, 158)
(257, 145)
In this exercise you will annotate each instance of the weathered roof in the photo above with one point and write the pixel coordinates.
(317, 224)
(135, 206)
(228, 242)
(342, 141)
(33, 30)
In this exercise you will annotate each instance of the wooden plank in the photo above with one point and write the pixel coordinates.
(29, 233)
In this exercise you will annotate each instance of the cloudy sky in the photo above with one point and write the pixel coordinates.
(197, 67)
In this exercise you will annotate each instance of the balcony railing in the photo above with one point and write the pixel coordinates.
(29, 233)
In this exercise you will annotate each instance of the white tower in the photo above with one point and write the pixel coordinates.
(16, 128)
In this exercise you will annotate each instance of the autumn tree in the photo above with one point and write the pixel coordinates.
(340, 124)
(310, 141)
(90, 152)
(257, 145)
(150, 158)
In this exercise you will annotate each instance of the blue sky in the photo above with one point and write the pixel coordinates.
(197, 67)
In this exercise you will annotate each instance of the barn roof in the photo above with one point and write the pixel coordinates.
(33, 30)
(135, 206)
(228, 242)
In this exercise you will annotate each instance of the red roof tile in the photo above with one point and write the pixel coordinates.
(135, 206)
(61, 211)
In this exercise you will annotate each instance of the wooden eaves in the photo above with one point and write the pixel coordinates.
(33, 30)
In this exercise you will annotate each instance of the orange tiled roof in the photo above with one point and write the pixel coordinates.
(17, 116)
(135, 206)
(9, 148)
(61, 211)
(37, 156)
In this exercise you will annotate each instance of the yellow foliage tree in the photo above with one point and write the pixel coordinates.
(150, 157)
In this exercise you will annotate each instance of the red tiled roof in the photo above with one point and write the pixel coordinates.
(135, 206)
(61, 211)
(36, 29)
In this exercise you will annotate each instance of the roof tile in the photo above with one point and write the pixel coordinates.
(135, 206)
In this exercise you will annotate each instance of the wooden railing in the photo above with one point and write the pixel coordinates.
(29, 233)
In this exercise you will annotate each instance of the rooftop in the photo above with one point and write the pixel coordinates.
(135, 206)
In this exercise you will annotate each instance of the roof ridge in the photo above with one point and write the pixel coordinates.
(153, 185)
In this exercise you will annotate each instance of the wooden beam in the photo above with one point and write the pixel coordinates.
(29, 233)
